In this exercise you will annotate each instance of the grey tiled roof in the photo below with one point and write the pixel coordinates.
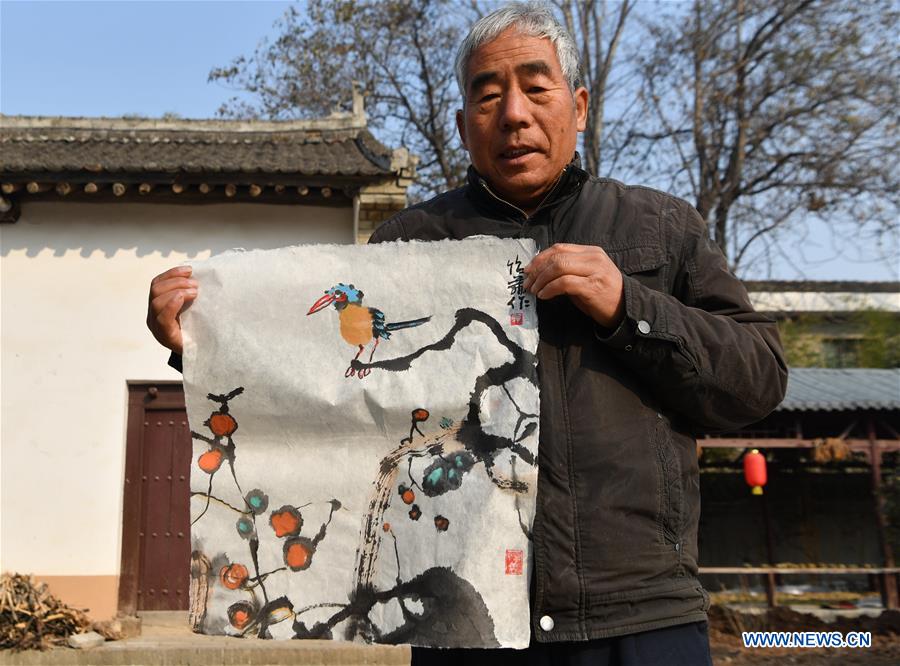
(821, 389)
(336, 146)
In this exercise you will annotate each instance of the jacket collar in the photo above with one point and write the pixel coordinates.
(570, 182)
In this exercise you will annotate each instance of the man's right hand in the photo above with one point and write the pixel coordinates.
(170, 293)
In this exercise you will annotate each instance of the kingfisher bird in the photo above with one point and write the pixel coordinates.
(360, 325)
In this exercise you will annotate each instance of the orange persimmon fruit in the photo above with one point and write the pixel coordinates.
(233, 576)
(210, 461)
(222, 424)
(297, 554)
(240, 618)
(286, 521)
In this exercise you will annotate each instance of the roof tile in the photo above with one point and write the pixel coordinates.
(189, 146)
(826, 389)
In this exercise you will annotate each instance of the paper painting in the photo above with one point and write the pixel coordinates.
(365, 428)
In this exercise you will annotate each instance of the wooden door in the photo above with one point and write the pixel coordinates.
(156, 539)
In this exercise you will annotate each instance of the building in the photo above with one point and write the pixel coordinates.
(834, 324)
(832, 448)
(91, 210)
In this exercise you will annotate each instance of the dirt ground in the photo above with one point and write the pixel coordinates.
(727, 648)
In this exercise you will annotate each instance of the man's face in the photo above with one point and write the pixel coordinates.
(520, 122)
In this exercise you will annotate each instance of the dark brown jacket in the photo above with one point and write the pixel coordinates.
(618, 502)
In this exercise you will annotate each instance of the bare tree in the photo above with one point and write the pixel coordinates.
(598, 27)
(399, 51)
(767, 112)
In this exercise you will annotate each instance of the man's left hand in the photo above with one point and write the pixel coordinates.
(586, 274)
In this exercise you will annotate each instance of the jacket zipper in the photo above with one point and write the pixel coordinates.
(483, 183)
(582, 591)
(527, 218)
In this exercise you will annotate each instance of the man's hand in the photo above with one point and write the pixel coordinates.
(170, 293)
(586, 274)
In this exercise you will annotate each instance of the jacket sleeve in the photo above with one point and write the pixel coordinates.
(389, 230)
(705, 352)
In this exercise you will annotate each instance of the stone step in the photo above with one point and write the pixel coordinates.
(170, 654)
(213, 655)
(166, 640)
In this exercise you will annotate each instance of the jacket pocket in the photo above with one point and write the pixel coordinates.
(647, 265)
(670, 502)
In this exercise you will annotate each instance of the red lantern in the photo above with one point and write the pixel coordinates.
(755, 471)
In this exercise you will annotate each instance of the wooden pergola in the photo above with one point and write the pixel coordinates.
(856, 411)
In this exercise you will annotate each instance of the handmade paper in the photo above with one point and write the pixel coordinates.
(365, 428)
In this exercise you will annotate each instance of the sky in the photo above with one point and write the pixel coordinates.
(78, 58)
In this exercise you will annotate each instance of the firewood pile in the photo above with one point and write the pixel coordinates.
(33, 619)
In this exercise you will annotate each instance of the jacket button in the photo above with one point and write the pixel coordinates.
(547, 623)
(628, 347)
(643, 327)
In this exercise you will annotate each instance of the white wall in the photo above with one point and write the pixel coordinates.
(73, 296)
(824, 301)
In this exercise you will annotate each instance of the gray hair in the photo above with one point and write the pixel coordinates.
(531, 18)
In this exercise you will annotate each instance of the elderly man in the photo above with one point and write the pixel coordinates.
(645, 338)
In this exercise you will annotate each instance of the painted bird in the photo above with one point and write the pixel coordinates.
(360, 325)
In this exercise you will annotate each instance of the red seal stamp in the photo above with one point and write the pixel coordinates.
(514, 562)
(516, 319)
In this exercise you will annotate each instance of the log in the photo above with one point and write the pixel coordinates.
(326, 192)
(279, 189)
(9, 188)
(230, 190)
(177, 188)
(119, 189)
(91, 188)
(145, 188)
(255, 190)
(205, 188)
(62, 189)
(303, 190)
